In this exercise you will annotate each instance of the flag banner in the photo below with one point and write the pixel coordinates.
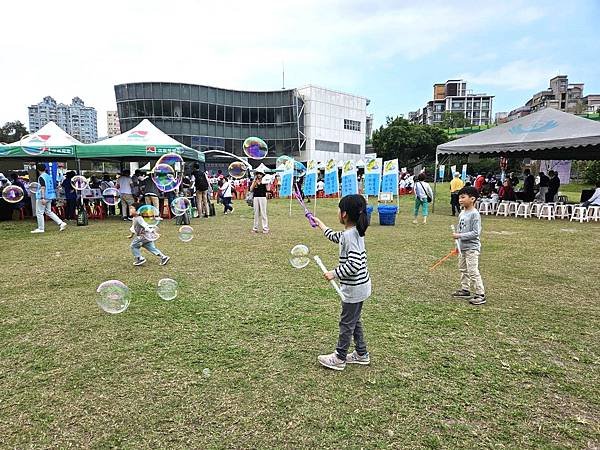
(332, 184)
(389, 183)
(442, 171)
(310, 180)
(287, 179)
(464, 172)
(349, 179)
(452, 171)
(373, 176)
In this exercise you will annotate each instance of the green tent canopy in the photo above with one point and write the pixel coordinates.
(144, 142)
(49, 143)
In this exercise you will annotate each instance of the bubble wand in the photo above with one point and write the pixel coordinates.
(455, 251)
(309, 216)
(333, 283)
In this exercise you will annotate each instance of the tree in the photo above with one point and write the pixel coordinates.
(454, 120)
(12, 132)
(592, 172)
(410, 143)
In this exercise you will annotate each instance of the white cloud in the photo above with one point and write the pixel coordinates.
(516, 75)
(70, 48)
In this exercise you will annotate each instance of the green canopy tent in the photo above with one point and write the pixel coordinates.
(144, 142)
(49, 143)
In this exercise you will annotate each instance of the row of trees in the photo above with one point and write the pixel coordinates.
(413, 143)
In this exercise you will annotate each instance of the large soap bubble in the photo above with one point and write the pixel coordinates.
(34, 187)
(165, 178)
(180, 205)
(186, 233)
(111, 196)
(237, 169)
(150, 214)
(300, 258)
(13, 193)
(79, 182)
(114, 296)
(172, 159)
(255, 148)
(284, 162)
(167, 289)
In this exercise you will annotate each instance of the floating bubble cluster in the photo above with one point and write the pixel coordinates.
(167, 289)
(34, 187)
(111, 196)
(150, 214)
(237, 170)
(186, 233)
(79, 182)
(13, 193)
(300, 258)
(255, 148)
(114, 296)
(180, 205)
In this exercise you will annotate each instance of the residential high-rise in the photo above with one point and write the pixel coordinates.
(112, 123)
(78, 120)
(454, 96)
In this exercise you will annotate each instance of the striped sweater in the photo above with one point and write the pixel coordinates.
(352, 271)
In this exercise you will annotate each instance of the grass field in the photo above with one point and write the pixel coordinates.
(522, 371)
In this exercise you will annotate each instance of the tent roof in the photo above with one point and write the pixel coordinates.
(50, 141)
(144, 141)
(545, 134)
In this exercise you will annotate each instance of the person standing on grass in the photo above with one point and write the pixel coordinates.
(423, 195)
(355, 282)
(259, 191)
(528, 185)
(125, 187)
(70, 195)
(469, 242)
(553, 186)
(543, 187)
(455, 185)
(226, 194)
(43, 201)
(201, 184)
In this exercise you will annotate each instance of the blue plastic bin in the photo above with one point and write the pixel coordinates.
(387, 214)
(369, 212)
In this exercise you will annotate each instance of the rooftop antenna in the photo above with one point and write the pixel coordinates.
(282, 75)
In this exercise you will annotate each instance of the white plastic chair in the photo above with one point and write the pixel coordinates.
(593, 213)
(523, 210)
(563, 211)
(486, 208)
(579, 214)
(547, 211)
(502, 209)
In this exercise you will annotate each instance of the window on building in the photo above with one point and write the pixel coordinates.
(352, 148)
(476, 105)
(327, 146)
(353, 125)
(485, 105)
(458, 105)
(475, 113)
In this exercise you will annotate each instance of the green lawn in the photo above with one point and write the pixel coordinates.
(522, 371)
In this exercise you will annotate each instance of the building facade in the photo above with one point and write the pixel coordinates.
(453, 96)
(78, 120)
(561, 95)
(112, 123)
(205, 117)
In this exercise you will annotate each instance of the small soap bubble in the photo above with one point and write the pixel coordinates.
(300, 258)
(79, 182)
(255, 148)
(167, 289)
(111, 196)
(13, 193)
(186, 233)
(114, 296)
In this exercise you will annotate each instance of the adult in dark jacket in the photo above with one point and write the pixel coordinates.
(70, 195)
(201, 184)
(553, 186)
(528, 185)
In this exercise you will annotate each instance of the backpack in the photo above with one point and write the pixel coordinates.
(82, 217)
(201, 182)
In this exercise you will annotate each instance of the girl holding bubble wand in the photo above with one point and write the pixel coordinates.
(353, 275)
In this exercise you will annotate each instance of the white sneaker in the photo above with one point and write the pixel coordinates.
(62, 226)
(332, 361)
(37, 230)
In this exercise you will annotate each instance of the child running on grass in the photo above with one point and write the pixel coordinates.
(145, 235)
(353, 275)
(468, 235)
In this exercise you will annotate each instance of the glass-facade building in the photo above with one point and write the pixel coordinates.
(205, 117)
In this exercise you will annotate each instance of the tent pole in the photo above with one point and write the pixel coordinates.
(435, 182)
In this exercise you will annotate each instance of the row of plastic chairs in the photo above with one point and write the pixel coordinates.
(548, 211)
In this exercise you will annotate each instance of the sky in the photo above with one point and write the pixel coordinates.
(391, 52)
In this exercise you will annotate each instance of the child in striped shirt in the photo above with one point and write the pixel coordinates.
(355, 283)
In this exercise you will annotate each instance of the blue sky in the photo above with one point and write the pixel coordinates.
(389, 51)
